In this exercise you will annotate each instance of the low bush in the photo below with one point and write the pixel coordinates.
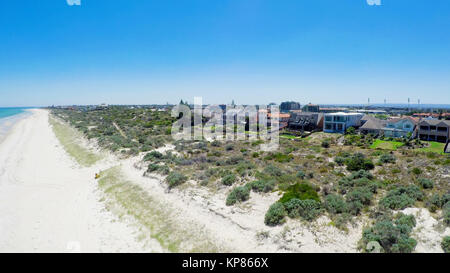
(301, 174)
(273, 171)
(446, 213)
(153, 155)
(426, 183)
(306, 209)
(392, 236)
(446, 244)
(387, 158)
(263, 185)
(339, 160)
(335, 204)
(275, 215)
(402, 197)
(301, 191)
(359, 162)
(229, 179)
(325, 144)
(416, 171)
(175, 179)
(238, 194)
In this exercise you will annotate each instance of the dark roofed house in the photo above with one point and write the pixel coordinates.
(305, 121)
(434, 130)
(372, 125)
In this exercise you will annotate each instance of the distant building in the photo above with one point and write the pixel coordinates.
(306, 121)
(434, 130)
(311, 108)
(333, 109)
(340, 122)
(289, 105)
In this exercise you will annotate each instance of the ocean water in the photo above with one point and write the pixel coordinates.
(9, 117)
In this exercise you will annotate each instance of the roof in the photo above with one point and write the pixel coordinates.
(395, 120)
(435, 122)
(368, 117)
(374, 124)
(305, 118)
(280, 115)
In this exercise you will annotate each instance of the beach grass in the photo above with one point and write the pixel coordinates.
(386, 145)
(69, 139)
(150, 213)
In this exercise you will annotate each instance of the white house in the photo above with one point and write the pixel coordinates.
(340, 122)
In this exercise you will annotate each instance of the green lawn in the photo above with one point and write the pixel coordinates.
(435, 147)
(386, 145)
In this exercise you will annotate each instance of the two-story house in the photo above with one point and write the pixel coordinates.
(434, 130)
(400, 127)
(340, 122)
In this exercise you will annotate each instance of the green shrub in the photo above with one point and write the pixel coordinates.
(301, 174)
(446, 213)
(175, 178)
(301, 191)
(273, 171)
(307, 209)
(275, 215)
(387, 158)
(339, 160)
(335, 204)
(405, 222)
(153, 155)
(426, 183)
(152, 168)
(359, 162)
(229, 179)
(402, 197)
(393, 237)
(362, 194)
(263, 185)
(416, 171)
(238, 194)
(325, 144)
(446, 244)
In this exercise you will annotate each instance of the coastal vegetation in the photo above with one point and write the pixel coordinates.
(70, 140)
(342, 177)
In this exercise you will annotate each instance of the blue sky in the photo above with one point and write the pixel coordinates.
(142, 52)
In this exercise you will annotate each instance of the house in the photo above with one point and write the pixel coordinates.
(399, 127)
(372, 125)
(306, 121)
(434, 130)
(340, 122)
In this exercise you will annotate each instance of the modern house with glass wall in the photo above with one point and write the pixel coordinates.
(340, 122)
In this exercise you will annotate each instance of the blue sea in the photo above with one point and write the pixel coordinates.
(9, 117)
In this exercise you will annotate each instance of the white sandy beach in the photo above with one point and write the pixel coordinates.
(47, 203)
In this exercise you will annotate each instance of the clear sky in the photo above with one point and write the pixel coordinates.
(252, 51)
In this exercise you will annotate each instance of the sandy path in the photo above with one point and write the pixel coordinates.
(47, 202)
